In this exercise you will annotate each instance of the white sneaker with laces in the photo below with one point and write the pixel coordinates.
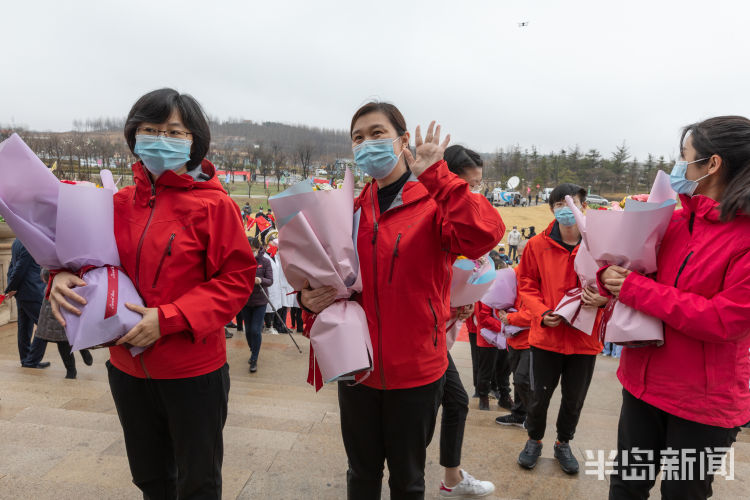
(469, 487)
(273, 331)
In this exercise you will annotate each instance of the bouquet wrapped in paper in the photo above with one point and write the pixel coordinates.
(501, 295)
(471, 280)
(69, 226)
(318, 243)
(629, 238)
(571, 308)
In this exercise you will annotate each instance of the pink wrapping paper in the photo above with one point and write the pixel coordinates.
(578, 315)
(631, 239)
(66, 226)
(317, 243)
(452, 329)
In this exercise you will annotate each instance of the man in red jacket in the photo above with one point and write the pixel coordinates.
(559, 352)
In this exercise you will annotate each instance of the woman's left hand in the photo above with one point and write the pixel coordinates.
(463, 312)
(429, 151)
(591, 297)
(613, 277)
(146, 332)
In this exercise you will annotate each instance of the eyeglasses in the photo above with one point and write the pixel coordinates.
(173, 134)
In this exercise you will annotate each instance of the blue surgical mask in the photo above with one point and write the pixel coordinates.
(376, 157)
(679, 182)
(160, 154)
(565, 216)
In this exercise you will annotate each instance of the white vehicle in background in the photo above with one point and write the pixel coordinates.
(321, 171)
(545, 193)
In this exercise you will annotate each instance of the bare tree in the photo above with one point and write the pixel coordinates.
(304, 157)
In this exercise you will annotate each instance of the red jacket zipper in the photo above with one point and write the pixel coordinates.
(167, 251)
(375, 277)
(151, 203)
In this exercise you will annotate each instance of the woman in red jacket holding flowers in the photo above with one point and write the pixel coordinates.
(416, 218)
(182, 243)
(683, 401)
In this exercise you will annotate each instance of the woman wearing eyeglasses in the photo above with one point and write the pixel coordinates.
(182, 243)
(417, 217)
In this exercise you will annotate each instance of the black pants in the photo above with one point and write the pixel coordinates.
(646, 427)
(394, 425)
(173, 432)
(280, 327)
(66, 355)
(239, 320)
(574, 373)
(519, 364)
(268, 320)
(474, 358)
(501, 375)
(513, 252)
(297, 322)
(485, 374)
(30, 352)
(455, 408)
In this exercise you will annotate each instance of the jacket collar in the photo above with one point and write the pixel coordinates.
(547, 234)
(170, 179)
(701, 206)
(412, 191)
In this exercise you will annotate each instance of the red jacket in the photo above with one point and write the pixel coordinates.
(544, 275)
(520, 318)
(405, 255)
(702, 293)
(183, 245)
(472, 322)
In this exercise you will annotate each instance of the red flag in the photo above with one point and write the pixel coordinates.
(263, 223)
(249, 223)
(2, 298)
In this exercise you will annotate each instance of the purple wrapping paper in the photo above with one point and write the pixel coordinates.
(502, 293)
(67, 226)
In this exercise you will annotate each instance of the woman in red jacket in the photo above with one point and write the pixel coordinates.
(182, 243)
(416, 218)
(683, 401)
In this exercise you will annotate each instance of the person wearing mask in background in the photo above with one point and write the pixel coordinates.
(457, 483)
(514, 239)
(417, 218)
(273, 325)
(182, 243)
(559, 352)
(51, 330)
(23, 283)
(690, 395)
(254, 311)
(503, 256)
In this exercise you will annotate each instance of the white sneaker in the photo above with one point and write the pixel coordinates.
(469, 487)
(273, 331)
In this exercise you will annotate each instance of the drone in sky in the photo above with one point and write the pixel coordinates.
(523, 24)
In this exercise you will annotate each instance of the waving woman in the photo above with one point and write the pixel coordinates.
(417, 217)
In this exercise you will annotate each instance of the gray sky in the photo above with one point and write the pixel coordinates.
(587, 72)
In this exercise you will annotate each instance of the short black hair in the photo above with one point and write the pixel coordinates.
(460, 158)
(566, 189)
(157, 105)
(254, 243)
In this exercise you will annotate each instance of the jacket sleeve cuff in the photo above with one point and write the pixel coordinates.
(629, 288)
(171, 320)
(431, 178)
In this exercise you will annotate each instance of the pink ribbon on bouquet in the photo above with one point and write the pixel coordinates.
(573, 295)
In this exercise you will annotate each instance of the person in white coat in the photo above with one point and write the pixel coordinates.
(514, 238)
(274, 295)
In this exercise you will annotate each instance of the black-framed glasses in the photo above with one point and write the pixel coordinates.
(172, 134)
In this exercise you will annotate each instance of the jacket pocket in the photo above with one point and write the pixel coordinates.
(167, 251)
(393, 258)
(434, 317)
